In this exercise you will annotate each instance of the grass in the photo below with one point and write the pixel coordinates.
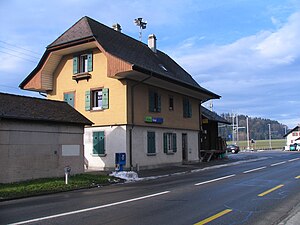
(263, 144)
(51, 185)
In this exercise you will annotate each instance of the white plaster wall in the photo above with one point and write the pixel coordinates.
(114, 141)
(144, 160)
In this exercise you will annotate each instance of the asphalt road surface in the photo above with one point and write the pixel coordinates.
(257, 192)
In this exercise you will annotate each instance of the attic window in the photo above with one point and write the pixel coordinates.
(83, 63)
(163, 67)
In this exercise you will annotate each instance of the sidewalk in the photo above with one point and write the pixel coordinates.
(293, 218)
(193, 167)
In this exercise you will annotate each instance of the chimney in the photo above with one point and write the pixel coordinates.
(117, 27)
(152, 42)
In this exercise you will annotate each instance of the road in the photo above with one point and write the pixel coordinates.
(257, 192)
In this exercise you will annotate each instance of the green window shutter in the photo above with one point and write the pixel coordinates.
(151, 142)
(87, 100)
(98, 142)
(105, 98)
(190, 109)
(69, 98)
(165, 143)
(75, 64)
(151, 101)
(90, 62)
(158, 103)
(185, 108)
(174, 143)
(66, 97)
(101, 143)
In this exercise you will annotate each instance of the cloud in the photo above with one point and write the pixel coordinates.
(256, 74)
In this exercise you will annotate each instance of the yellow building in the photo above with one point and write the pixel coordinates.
(141, 102)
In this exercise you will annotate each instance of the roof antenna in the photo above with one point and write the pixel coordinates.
(142, 24)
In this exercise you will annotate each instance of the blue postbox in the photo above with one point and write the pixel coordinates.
(120, 161)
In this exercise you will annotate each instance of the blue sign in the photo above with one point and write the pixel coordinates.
(150, 119)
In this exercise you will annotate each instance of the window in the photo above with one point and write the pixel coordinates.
(171, 103)
(69, 98)
(83, 63)
(98, 143)
(187, 108)
(154, 101)
(151, 142)
(97, 99)
(170, 143)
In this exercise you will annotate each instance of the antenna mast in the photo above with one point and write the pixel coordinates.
(142, 24)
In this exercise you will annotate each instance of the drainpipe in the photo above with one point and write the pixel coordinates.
(200, 132)
(132, 118)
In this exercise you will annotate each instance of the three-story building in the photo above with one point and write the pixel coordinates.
(141, 102)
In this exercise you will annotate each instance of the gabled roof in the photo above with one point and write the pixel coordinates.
(213, 116)
(36, 109)
(142, 58)
(297, 128)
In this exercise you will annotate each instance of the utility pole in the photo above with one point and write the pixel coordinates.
(247, 123)
(270, 141)
(233, 128)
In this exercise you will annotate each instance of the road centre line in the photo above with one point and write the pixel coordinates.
(90, 209)
(256, 169)
(210, 181)
(276, 164)
(216, 216)
(291, 160)
(270, 190)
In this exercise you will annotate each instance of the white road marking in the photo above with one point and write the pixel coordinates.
(276, 164)
(260, 168)
(90, 209)
(210, 181)
(291, 160)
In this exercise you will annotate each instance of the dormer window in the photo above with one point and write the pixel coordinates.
(83, 63)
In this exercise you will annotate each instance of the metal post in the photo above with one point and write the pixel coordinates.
(247, 121)
(270, 138)
(233, 128)
(237, 129)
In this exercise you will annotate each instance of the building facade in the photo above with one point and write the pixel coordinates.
(141, 102)
(39, 138)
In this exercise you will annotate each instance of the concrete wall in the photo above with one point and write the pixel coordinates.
(31, 150)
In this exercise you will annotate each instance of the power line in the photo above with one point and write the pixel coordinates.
(18, 57)
(19, 52)
(20, 47)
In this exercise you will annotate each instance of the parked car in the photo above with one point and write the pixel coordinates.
(295, 147)
(233, 148)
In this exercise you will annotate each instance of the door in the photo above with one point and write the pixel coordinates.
(184, 148)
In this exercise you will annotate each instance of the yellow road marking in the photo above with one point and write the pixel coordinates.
(216, 216)
(298, 177)
(269, 191)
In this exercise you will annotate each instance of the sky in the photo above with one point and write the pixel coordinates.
(247, 51)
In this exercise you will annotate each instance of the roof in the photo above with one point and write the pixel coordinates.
(126, 48)
(37, 109)
(213, 116)
(297, 128)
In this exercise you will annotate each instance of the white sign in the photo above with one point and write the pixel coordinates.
(70, 150)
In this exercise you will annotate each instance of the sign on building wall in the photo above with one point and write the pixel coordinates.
(70, 150)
